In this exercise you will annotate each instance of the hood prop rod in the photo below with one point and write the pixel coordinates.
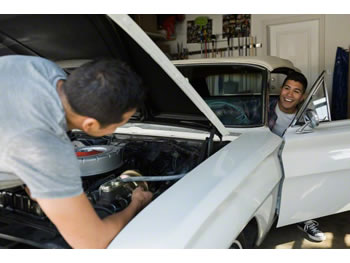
(211, 141)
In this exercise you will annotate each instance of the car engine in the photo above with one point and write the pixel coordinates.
(112, 167)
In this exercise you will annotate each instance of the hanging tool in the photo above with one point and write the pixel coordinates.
(213, 39)
(228, 44)
(239, 46)
(254, 45)
(182, 51)
(249, 46)
(178, 50)
(205, 43)
(232, 46)
(222, 52)
(242, 41)
(201, 39)
(201, 21)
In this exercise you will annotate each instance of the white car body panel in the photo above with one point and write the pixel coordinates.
(268, 62)
(317, 169)
(266, 215)
(169, 131)
(211, 205)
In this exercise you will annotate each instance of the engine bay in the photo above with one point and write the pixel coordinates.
(112, 167)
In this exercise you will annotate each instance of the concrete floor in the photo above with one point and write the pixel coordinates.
(336, 228)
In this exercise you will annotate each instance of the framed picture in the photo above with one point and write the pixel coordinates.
(195, 31)
(236, 25)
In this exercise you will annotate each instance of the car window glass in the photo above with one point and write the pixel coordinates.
(319, 104)
(234, 93)
(235, 83)
(317, 100)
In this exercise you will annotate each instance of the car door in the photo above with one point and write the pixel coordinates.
(316, 163)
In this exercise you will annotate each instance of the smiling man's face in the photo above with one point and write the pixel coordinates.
(292, 94)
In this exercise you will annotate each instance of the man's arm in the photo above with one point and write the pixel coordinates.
(50, 169)
(79, 224)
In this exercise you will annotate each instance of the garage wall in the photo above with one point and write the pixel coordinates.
(181, 34)
(337, 33)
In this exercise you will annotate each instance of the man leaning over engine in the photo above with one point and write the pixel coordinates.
(38, 105)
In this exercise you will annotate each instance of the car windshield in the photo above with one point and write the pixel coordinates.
(234, 93)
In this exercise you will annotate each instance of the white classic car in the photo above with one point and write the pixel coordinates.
(201, 144)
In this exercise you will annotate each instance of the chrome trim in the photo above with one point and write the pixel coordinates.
(314, 89)
(267, 100)
(327, 99)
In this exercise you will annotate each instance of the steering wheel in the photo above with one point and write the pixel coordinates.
(228, 113)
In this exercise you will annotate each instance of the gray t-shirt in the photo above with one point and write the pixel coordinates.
(35, 148)
(283, 121)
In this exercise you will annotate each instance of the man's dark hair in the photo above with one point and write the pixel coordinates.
(104, 89)
(298, 77)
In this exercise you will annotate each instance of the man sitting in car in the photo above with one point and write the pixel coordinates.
(281, 113)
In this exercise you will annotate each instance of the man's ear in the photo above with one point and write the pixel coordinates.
(90, 124)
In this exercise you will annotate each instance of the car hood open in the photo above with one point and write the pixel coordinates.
(170, 100)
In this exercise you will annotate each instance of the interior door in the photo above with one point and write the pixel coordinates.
(316, 164)
(299, 43)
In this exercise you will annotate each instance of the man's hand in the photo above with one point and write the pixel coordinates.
(141, 197)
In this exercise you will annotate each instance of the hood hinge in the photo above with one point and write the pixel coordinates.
(210, 139)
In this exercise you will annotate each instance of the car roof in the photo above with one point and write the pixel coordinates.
(271, 63)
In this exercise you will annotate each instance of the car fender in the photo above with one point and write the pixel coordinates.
(211, 205)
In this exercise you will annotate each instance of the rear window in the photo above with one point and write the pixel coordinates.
(234, 83)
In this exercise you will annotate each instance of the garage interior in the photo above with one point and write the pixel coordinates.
(313, 43)
(282, 35)
(269, 34)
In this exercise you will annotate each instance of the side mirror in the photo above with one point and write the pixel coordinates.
(311, 119)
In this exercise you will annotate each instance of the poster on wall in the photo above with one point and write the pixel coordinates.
(195, 31)
(236, 25)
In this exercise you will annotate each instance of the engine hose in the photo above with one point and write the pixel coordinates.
(150, 178)
(21, 241)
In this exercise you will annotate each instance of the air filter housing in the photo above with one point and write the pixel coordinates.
(99, 159)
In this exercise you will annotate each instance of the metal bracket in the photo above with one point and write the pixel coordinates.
(302, 130)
